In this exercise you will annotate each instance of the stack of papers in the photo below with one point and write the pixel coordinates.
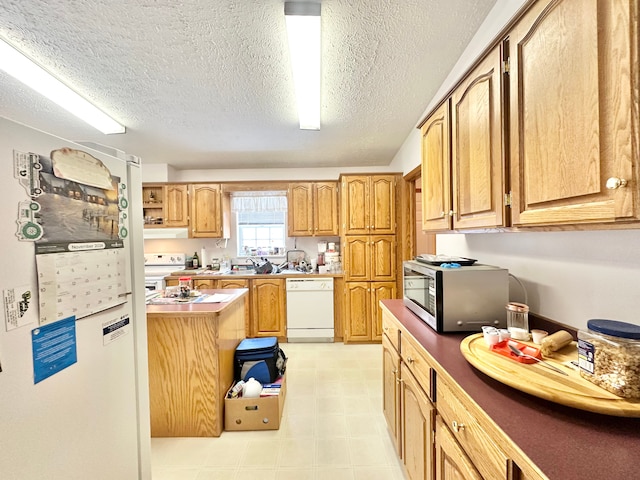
(215, 298)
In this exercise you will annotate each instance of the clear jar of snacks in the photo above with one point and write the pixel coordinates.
(185, 286)
(609, 356)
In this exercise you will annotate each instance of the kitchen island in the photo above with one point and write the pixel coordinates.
(191, 348)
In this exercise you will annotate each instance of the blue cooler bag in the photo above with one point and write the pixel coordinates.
(259, 358)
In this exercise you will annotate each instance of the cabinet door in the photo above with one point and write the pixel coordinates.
(206, 211)
(358, 309)
(379, 291)
(300, 209)
(325, 208)
(355, 205)
(339, 308)
(476, 153)
(390, 391)
(240, 283)
(436, 171)
(416, 427)
(382, 204)
(451, 461)
(574, 108)
(176, 205)
(356, 256)
(383, 257)
(204, 283)
(269, 308)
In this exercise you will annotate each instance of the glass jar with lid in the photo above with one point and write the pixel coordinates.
(609, 356)
(185, 287)
(518, 320)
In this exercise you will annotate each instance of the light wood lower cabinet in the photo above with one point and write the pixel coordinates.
(391, 390)
(191, 368)
(269, 310)
(451, 438)
(416, 427)
(451, 463)
(240, 283)
(205, 283)
(469, 428)
(363, 321)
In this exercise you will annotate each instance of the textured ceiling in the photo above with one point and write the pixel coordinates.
(207, 84)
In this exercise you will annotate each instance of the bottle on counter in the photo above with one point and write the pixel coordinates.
(196, 260)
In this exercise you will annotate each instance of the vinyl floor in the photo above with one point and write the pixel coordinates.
(332, 428)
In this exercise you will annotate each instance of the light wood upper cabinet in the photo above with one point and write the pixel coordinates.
(368, 204)
(325, 208)
(268, 312)
(436, 171)
(313, 209)
(209, 212)
(369, 257)
(300, 209)
(476, 148)
(574, 112)
(356, 257)
(383, 257)
(165, 205)
(382, 217)
(176, 205)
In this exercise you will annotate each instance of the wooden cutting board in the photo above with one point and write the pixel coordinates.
(572, 391)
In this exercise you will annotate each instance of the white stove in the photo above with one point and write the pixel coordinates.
(159, 265)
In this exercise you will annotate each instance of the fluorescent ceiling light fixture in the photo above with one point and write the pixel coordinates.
(22, 68)
(303, 31)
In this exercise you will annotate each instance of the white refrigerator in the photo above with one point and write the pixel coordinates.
(73, 354)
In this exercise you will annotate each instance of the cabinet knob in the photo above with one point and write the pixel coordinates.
(615, 182)
(457, 427)
(451, 213)
(409, 360)
(442, 214)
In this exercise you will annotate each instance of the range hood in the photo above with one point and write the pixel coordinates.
(153, 233)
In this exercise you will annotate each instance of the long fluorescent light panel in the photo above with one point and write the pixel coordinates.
(303, 31)
(22, 68)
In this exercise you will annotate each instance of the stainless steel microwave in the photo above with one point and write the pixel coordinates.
(456, 299)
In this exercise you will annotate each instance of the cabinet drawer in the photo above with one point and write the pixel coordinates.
(415, 358)
(464, 419)
(391, 330)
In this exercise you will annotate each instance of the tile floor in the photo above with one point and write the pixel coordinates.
(332, 427)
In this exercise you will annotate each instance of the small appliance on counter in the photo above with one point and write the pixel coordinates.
(451, 297)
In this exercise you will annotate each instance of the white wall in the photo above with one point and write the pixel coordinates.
(166, 173)
(570, 277)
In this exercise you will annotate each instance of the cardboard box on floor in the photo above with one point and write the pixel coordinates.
(263, 413)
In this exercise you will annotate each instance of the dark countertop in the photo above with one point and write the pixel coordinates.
(200, 307)
(565, 443)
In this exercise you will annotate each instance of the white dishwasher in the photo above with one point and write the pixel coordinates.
(310, 309)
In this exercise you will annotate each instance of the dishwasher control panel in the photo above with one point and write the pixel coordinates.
(309, 284)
